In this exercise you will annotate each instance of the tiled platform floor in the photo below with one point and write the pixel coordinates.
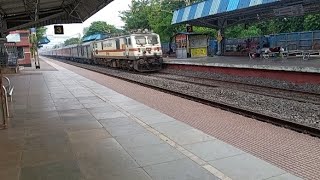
(65, 126)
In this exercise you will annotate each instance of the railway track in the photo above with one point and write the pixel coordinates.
(303, 128)
(305, 97)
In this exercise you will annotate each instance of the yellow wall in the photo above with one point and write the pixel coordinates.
(199, 52)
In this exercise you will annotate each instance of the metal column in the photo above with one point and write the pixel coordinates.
(221, 42)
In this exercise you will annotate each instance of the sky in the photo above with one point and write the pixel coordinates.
(110, 14)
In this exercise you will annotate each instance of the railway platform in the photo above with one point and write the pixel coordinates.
(290, 70)
(275, 64)
(67, 126)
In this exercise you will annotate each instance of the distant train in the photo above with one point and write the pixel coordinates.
(139, 51)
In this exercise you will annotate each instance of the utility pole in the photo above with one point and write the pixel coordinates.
(187, 2)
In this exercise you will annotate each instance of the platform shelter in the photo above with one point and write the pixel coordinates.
(191, 45)
(220, 14)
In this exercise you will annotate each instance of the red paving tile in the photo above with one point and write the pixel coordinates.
(294, 152)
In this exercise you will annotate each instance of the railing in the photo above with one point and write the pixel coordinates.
(6, 92)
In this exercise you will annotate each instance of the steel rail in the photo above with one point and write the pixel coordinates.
(242, 90)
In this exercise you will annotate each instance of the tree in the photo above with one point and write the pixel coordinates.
(72, 41)
(101, 27)
(160, 17)
(41, 31)
(85, 30)
(311, 22)
(137, 16)
(153, 15)
(242, 31)
(157, 16)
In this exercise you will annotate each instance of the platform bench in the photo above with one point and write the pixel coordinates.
(267, 55)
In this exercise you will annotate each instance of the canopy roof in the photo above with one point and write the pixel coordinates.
(95, 37)
(221, 13)
(21, 14)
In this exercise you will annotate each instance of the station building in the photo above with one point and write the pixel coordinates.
(21, 39)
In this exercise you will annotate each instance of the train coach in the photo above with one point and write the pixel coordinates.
(139, 51)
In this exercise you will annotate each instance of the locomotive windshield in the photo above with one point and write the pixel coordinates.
(153, 40)
(141, 40)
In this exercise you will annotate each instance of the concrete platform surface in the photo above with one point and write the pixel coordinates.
(290, 64)
(65, 126)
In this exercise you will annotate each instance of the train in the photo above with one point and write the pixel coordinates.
(136, 51)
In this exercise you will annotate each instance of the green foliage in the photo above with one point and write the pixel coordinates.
(157, 16)
(242, 31)
(312, 22)
(100, 27)
(72, 41)
(205, 30)
(160, 18)
(41, 31)
(275, 26)
(137, 16)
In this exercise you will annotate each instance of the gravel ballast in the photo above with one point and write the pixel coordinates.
(313, 88)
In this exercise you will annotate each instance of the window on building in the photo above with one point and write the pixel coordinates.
(102, 45)
(129, 41)
(20, 52)
(24, 35)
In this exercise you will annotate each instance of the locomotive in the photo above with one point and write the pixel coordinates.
(137, 51)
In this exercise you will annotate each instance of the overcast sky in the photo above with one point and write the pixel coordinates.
(110, 14)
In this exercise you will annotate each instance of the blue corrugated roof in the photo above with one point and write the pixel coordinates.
(95, 37)
(213, 7)
(44, 40)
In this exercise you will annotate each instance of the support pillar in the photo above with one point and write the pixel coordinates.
(220, 38)
(221, 42)
(3, 117)
(34, 50)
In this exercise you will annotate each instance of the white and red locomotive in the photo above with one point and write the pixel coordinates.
(139, 51)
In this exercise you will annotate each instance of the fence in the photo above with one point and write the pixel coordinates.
(296, 41)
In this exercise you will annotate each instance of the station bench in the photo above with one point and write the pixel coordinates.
(305, 54)
(267, 55)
